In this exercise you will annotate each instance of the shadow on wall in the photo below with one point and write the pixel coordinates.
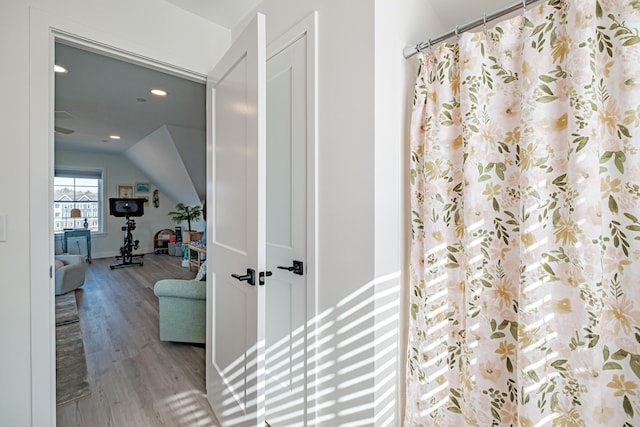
(352, 367)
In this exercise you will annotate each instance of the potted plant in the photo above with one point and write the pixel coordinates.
(188, 214)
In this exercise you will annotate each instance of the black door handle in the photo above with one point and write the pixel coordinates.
(296, 268)
(250, 277)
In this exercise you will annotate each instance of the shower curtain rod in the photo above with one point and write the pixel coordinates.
(409, 51)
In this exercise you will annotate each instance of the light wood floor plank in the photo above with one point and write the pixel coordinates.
(135, 379)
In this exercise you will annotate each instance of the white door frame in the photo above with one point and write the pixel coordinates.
(307, 28)
(45, 30)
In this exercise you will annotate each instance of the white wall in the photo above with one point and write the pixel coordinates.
(154, 28)
(15, 388)
(398, 23)
(117, 170)
(149, 27)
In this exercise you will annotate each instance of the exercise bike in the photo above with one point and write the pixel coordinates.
(127, 208)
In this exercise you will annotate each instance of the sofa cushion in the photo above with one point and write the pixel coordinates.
(178, 288)
(58, 264)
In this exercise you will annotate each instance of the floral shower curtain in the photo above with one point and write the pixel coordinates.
(525, 269)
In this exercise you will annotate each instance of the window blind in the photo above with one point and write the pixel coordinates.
(78, 173)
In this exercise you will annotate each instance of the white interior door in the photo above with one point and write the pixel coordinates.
(236, 231)
(285, 363)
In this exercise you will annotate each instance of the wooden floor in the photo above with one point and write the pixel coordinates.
(135, 379)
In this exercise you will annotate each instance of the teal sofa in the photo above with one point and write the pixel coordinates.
(183, 313)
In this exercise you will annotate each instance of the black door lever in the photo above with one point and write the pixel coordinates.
(296, 268)
(250, 277)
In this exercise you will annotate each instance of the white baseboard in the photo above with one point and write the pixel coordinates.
(112, 254)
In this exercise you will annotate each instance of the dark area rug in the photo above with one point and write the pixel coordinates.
(71, 366)
(66, 310)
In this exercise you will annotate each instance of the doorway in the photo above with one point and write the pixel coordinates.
(119, 321)
(45, 30)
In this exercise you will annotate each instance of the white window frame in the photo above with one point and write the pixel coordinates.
(80, 172)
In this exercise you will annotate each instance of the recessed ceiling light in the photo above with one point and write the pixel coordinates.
(59, 69)
(158, 92)
(114, 136)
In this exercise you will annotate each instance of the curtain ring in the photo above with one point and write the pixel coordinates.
(430, 47)
(484, 22)
(457, 34)
(524, 6)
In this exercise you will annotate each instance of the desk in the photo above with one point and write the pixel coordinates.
(198, 247)
(77, 233)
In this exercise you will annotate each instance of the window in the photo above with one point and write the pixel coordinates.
(77, 189)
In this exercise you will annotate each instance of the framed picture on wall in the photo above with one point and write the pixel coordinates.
(125, 191)
(142, 187)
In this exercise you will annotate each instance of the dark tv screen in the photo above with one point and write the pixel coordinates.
(124, 207)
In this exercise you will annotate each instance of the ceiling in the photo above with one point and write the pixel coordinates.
(226, 13)
(100, 96)
(450, 12)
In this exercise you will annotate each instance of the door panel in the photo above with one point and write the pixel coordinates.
(232, 342)
(230, 158)
(285, 362)
(236, 226)
(279, 146)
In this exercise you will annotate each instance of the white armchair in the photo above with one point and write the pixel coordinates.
(70, 271)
